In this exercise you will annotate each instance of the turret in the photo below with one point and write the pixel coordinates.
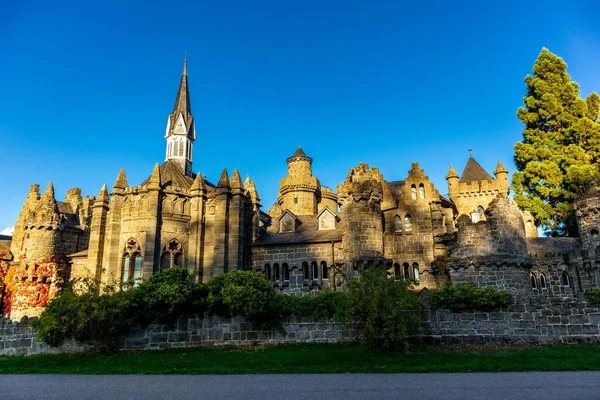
(501, 175)
(452, 179)
(299, 191)
(181, 132)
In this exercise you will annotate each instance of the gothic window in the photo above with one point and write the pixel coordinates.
(408, 223)
(416, 271)
(397, 224)
(324, 270)
(268, 272)
(533, 281)
(181, 145)
(421, 191)
(276, 268)
(315, 271)
(132, 262)
(565, 279)
(175, 147)
(397, 270)
(406, 269)
(286, 272)
(543, 284)
(413, 192)
(172, 255)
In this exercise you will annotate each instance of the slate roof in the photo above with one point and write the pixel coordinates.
(71, 218)
(299, 153)
(171, 175)
(307, 232)
(474, 172)
(553, 246)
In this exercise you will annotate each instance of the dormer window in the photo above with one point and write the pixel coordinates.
(327, 219)
(287, 224)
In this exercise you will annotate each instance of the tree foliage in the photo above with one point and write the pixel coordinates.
(559, 156)
(386, 311)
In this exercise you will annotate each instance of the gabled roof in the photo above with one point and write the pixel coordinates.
(474, 172)
(171, 175)
(327, 209)
(288, 212)
(306, 233)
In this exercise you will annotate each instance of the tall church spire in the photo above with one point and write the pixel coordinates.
(181, 132)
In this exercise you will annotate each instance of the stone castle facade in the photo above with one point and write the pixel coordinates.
(307, 240)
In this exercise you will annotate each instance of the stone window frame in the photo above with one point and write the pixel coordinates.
(533, 281)
(276, 272)
(408, 224)
(321, 217)
(416, 274)
(306, 272)
(406, 270)
(324, 270)
(421, 191)
(397, 272)
(131, 254)
(267, 271)
(543, 281)
(286, 272)
(174, 250)
(314, 270)
(413, 191)
(397, 224)
(565, 279)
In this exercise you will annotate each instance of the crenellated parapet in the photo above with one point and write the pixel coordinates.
(359, 198)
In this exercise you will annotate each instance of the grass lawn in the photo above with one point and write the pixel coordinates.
(312, 359)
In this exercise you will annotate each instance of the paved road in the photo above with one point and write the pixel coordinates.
(499, 386)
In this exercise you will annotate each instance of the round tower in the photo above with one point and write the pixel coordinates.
(299, 191)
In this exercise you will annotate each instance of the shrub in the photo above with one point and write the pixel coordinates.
(386, 311)
(463, 297)
(167, 295)
(594, 298)
(322, 304)
(246, 293)
(100, 320)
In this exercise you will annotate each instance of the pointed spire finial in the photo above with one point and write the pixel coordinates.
(224, 180)
(154, 181)
(500, 169)
(470, 153)
(121, 182)
(451, 173)
(184, 64)
(198, 183)
(103, 195)
(236, 180)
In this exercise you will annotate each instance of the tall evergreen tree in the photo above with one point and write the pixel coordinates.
(559, 156)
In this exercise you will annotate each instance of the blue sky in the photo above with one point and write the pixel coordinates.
(86, 87)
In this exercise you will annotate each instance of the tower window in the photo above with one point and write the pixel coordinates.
(533, 281)
(413, 192)
(295, 200)
(421, 191)
(408, 223)
(397, 224)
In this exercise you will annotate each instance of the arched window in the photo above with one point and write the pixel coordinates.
(315, 270)
(406, 269)
(421, 191)
(565, 279)
(268, 271)
(397, 271)
(132, 262)
(408, 223)
(324, 270)
(397, 224)
(533, 281)
(276, 268)
(306, 272)
(172, 255)
(543, 284)
(416, 275)
(594, 233)
(413, 192)
(286, 272)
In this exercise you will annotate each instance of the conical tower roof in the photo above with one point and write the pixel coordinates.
(474, 172)
(299, 154)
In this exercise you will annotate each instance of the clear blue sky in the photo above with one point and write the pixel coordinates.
(86, 87)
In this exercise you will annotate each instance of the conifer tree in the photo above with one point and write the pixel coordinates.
(559, 156)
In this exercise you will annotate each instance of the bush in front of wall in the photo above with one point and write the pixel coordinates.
(468, 297)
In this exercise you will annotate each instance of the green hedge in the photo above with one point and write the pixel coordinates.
(383, 309)
(467, 297)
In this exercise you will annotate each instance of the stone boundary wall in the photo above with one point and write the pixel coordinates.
(188, 332)
(556, 322)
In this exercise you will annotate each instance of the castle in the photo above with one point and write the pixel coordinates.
(307, 239)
